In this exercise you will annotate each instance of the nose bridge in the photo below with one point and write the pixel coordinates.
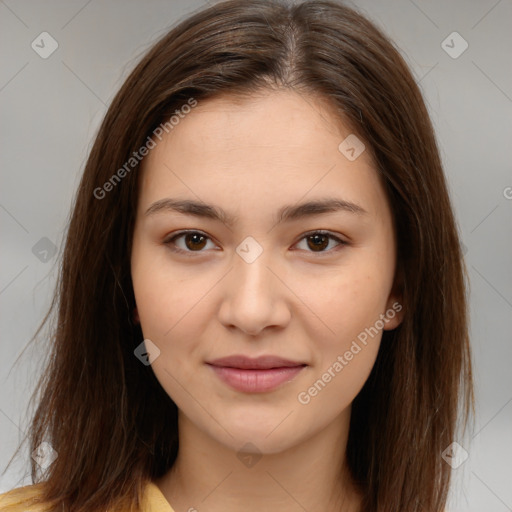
(253, 280)
(253, 296)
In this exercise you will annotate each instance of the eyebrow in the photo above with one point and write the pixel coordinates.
(286, 213)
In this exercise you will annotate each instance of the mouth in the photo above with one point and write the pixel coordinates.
(259, 375)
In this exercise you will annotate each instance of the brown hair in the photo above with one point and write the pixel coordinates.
(106, 415)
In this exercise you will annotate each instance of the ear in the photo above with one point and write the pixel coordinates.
(136, 319)
(395, 307)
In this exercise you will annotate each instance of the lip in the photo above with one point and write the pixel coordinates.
(257, 375)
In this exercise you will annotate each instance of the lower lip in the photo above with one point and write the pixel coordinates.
(256, 381)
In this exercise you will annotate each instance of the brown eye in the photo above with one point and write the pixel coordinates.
(194, 241)
(318, 241)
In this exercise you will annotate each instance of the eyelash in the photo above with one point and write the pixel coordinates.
(170, 242)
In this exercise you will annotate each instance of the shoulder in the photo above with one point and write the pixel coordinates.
(23, 499)
(29, 499)
(154, 500)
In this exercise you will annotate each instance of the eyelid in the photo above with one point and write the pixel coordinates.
(329, 234)
(169, 240)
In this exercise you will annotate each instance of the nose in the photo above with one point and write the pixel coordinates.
(254, 296)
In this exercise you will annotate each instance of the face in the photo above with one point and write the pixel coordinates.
(295, 298)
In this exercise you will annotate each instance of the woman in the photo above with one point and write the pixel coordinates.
(262, 300)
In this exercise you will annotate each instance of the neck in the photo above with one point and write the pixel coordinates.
(310, 476)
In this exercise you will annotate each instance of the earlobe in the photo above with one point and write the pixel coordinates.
(395, 308)
(394, 313)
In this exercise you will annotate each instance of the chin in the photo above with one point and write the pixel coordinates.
(269, 435)
(258, 443)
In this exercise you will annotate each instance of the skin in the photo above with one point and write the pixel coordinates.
(251, 157)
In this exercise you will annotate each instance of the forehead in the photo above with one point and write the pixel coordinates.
(240, 121)
(272, 145)
(284, 122)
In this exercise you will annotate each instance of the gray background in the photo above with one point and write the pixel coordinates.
(51, 109)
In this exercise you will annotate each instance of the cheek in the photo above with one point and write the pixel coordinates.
(168, 312)
(163, 297)
(346, 344)
(345, 356)
(346, 304)
(173, 314)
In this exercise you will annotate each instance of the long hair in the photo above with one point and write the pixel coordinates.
(106, 415)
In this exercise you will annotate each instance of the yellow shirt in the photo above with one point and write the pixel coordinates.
(25, 499)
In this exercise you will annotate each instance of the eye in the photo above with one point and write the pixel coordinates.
(319, 241)
(195, 241)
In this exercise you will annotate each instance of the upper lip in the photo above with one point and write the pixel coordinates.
(258, 363)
